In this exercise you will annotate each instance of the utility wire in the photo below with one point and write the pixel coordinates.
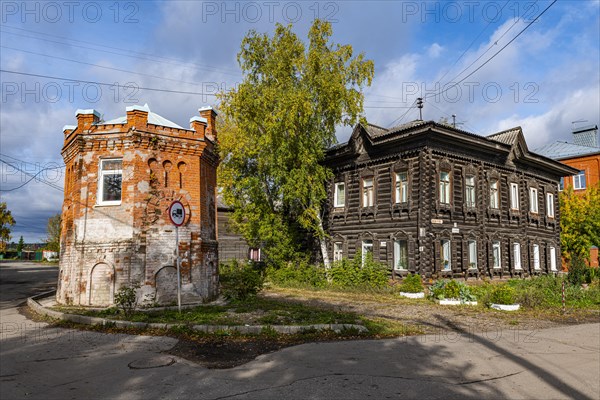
(99, 66)
(33, 176)
(472, 43)
(495, 54)
(128, 54)
(108, 84)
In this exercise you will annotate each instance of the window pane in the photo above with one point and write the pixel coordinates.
(111, 187)
(553, 258)
(445, 255)
(340, 194)
(496, 254)
(112, 165)
(401, 254)
(517, 255)
(536, 256)
(472, 254)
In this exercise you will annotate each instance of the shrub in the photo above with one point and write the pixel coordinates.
(502, 294)
(126, 300)
(301, 274)
(451, 289)
(355, 274)
(577, 270)
(240, 280)
(412, 284)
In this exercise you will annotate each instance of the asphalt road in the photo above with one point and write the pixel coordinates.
(20, 280)
(41, 362)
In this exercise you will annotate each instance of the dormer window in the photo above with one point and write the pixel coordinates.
(110, 181)
(339, 196)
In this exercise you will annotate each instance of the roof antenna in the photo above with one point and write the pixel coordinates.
(420, 106)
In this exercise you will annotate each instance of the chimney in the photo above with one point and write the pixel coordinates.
(68, 129)
(198, 124)
(137, 116)
(586, 136)
(211, 117)
(86, 118)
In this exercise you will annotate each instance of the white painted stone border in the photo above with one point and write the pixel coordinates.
(419, 295)
(454, 302)
(245, 329)
(506, 307)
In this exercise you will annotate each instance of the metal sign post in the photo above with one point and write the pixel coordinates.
(177, 216)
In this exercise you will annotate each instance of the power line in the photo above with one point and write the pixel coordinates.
(127, 53)
(108, 84)
(33, 176)
(495, 54)
(100, 66)
(472, 43)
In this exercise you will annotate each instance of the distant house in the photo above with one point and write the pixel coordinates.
(429, 198)
(584, 155)
(232, 246)
(121, 177)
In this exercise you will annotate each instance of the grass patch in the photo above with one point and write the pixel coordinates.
(254, 311)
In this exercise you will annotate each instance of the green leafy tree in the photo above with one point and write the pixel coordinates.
(6, 221)
(21, 244)
(579, 221)
(276, 127)
(53, 233)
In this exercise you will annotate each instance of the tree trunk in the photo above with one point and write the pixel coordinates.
(323, 243)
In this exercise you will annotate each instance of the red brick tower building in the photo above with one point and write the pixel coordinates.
(121, 176)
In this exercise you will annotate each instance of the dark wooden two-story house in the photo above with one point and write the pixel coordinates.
(429, 198)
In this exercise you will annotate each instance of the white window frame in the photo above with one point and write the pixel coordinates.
(401, 191)
(368, 192)
(470, 192)
(533, 200)
(365, 246)
(494, 194)
(254, 254)
(550, 205)
(514, 196)
(472, 247)
(101, 174)
(444, 187)
(400, 247)
(553, 259)
(338, 251)
(517, 255)
(536, 257)
(497, 261)
(579, 181)
(446, 254)
(337, 202)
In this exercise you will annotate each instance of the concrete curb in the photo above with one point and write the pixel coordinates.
(33, 303)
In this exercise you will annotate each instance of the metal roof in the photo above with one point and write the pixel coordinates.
(153, 118)
(563, 150)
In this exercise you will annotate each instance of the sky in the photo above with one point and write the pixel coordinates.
(492, 64)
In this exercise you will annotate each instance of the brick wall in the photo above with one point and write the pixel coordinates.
(105, 247)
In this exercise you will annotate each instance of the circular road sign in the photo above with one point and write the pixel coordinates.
(177, 213)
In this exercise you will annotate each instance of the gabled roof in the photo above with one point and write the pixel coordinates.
(564, 150)
(509, 137)
(153, 118)
(509, 144)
